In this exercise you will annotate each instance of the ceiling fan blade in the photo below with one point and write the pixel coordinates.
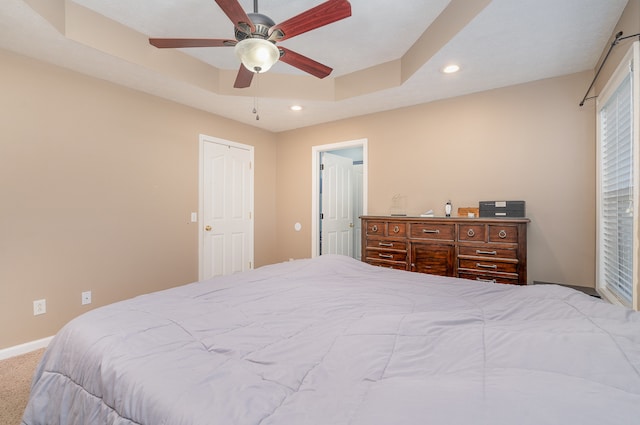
(237, 15)
(169, 43)
(304, 63)
(324, 14)
(243, 79)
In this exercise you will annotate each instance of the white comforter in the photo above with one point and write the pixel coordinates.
(336, 341)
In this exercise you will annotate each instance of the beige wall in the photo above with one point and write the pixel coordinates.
(528, 142)
(629, 24)
(97, 184)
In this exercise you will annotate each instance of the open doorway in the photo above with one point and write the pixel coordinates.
(339, 197)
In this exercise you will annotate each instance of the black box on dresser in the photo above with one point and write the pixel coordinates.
(505, 209)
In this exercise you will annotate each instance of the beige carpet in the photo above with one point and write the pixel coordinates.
(15, 381)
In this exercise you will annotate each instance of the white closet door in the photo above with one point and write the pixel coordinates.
(227, 222)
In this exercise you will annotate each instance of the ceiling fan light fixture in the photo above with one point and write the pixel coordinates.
(257, 54)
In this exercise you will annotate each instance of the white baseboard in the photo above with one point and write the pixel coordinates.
(27, 347)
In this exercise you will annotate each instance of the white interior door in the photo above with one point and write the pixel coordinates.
(226, 208)
(337, 205)
(316, 199)
(357, 210)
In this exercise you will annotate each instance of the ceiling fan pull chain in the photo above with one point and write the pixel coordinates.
(255, 98)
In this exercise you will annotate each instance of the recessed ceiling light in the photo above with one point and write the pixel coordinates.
(296, 108)
(450, 69)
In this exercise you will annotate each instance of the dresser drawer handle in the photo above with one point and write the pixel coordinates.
(471, 233)
(386, 244)
(385, 255)
(502, 234)
(486, 280)
(396, 229)
(480, 252)
(436, 231)
(374, 228)
(486, 266)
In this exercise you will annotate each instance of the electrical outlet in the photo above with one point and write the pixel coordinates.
(39, 307)
(86, 297)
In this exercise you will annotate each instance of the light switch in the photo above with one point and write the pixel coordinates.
(194, 217)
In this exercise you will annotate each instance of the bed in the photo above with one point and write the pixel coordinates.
(332, 340)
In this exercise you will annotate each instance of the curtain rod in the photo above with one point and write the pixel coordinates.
(617, 39)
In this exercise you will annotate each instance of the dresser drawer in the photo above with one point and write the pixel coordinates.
(386, 244)
(488, 265)
(492, 278)
(503, 233)
(386, 255)
(396, 229)
(487, 252)
(376, 228)
(433, 231)
(388, 265)
(472, 232)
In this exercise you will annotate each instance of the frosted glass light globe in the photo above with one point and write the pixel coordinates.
(256, 54)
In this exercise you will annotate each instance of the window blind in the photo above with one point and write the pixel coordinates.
(617, 213)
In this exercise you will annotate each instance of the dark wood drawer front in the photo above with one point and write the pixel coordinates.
(504, 234)
(386, 255)
(376, 228)
(432, 259)
(432, 231)
(386, 244)
(509, 279)
(472, 232)
(488, 266)
(488, 252)
(397, 229)
(397, 266)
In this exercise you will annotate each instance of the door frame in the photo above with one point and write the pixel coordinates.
(203, 138)
(315, 184)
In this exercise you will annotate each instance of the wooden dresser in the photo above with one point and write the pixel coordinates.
(486, 249)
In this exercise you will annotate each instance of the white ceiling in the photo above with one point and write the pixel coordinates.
(509, 42)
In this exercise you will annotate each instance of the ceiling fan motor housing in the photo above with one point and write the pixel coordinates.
(261, 22)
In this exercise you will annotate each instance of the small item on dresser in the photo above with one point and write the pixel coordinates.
(398, 205)
(427, 214)
(447, 209)
(469, 212)
(502, 209)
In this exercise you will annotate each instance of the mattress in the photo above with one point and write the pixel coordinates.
(332, 340)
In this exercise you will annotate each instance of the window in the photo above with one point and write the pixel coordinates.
(618, 188)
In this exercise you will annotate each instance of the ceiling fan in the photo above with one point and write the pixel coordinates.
(256, 36)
